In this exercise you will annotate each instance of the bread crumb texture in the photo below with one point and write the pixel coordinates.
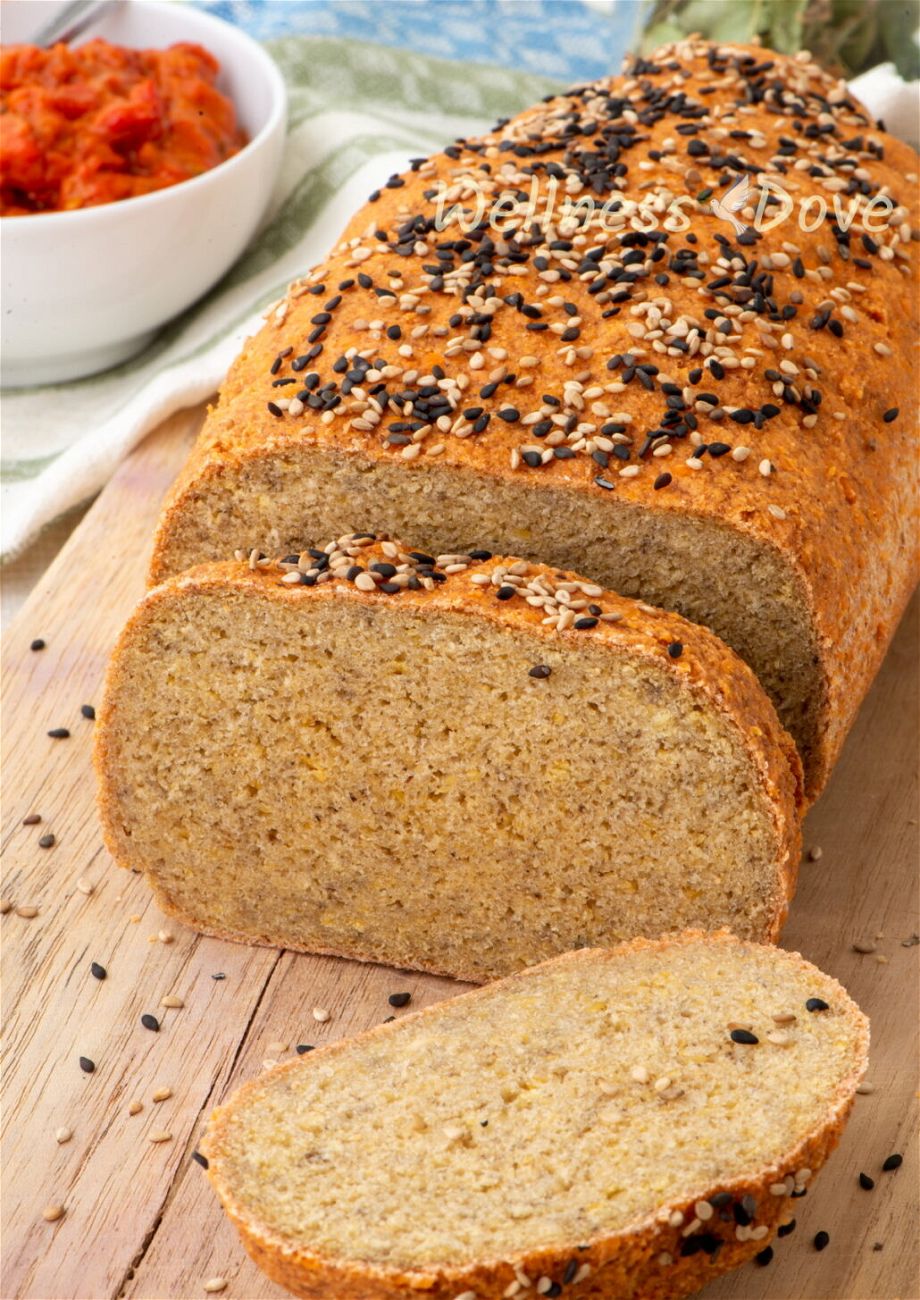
(591, 1118)
(455, 763)
(716, 418)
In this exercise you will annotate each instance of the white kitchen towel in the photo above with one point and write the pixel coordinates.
(62, 443)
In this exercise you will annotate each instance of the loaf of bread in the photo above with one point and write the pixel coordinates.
(457, 763)
(622, 1125)
(720, 423)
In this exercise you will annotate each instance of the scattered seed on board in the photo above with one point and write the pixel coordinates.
(172, 1001)
(32, 820)
(164, 936)
(46, 841)
(865, 1087)
(161, 1135)
(87, 711)
(892, 1162)
(98, 972)
(5, 906)
(63, 1135)
(821, 1240)
(866, 1183)
(864, 946)
(135, 1107)
(302, 1048)
(162, 1094)
(200, 1159)
(399, 999)
(59, 733)
(51, 1213)
(321, 1014)
(86, 1065)
(27, 911)
(85, 886)
(150, 1022)
(815, 854)
(38, 644)
(215, 1284)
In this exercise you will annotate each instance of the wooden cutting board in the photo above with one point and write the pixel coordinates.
(140, 1218)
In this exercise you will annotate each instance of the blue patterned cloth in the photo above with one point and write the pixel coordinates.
(565, 39)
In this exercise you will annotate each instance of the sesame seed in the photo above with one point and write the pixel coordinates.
(28, 911)
(540, 670)
(763, 1257)
(51, 1213)
(33, 819)
(172, 1001)
(866, 1183)
(821, 1240)
(816, 1004)
(399, 999)
(86, 1065)
(321, 1014)
(135, 1107)
(46, 841)
(215, 1284)
(150, 1022)
(85, 886)
(201, 1160)
(87, 711)
(98, 972)
(302, 1048)
(37, 644)
(59, 733)
(63, 1135)
(891, 414)
(160, 1135)
(892, 1162)
(162, 1094)
(744, 1036)
(675, 649)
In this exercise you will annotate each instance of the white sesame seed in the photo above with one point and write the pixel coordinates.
(215, 1284)
(63, 1135)
(321, 1014)
(776, 511)
(51, 1213)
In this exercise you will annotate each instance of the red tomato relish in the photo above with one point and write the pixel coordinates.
(98, 123)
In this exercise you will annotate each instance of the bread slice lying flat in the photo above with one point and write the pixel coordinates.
(468, 768)
(589, 1127)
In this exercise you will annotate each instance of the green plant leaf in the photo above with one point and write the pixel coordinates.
(786, 20)
(721, 21)
(898, 21)
(661, 33)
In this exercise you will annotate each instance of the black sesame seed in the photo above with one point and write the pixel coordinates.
(764, 1256)
(571, 1269)
(88, 711)
(505, 593)
(786, 1228)
(553, 1290)
(891, 414)
(46, 841)
(604, 483)
(37, 644)
(150, 1022)
(744, 1036)
(86, 1065)
(821, 1240)
(866, 1183)
(675, 649)
(399, 999)
(302, 1048)
(893, 1162)
(583, 624)
(219, 975)
(59, 733)
(98, 972)
(200, 1159)
(32, 820)
(816, 1004)
(540, 670)
(275, 409)
(662, 481)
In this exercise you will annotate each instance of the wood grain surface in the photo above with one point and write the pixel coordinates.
(140, 1219)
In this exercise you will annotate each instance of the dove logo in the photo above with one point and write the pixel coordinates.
(733, 200)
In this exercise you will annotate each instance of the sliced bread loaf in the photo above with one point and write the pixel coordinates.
(464, 766)
(619, 1124)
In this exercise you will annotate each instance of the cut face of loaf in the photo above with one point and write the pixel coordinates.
(474, 765)
(713, 416)
(591, 1122)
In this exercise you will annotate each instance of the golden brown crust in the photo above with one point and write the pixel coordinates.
(643, 1262)
(840, 504)
(704, 664)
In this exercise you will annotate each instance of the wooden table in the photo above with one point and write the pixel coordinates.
(140, 1218)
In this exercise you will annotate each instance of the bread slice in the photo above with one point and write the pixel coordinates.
(622, 1123)
(471, 766)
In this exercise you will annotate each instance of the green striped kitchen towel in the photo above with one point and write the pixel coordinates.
(358, 112)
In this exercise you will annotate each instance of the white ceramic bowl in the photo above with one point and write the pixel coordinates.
(84, 290)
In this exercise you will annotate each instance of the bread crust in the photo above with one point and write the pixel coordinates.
(628, 1265)
(839, 504)
(705, 665)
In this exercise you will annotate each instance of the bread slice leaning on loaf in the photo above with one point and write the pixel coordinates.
(458, 764)
(620, 1124)
(715, 418)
